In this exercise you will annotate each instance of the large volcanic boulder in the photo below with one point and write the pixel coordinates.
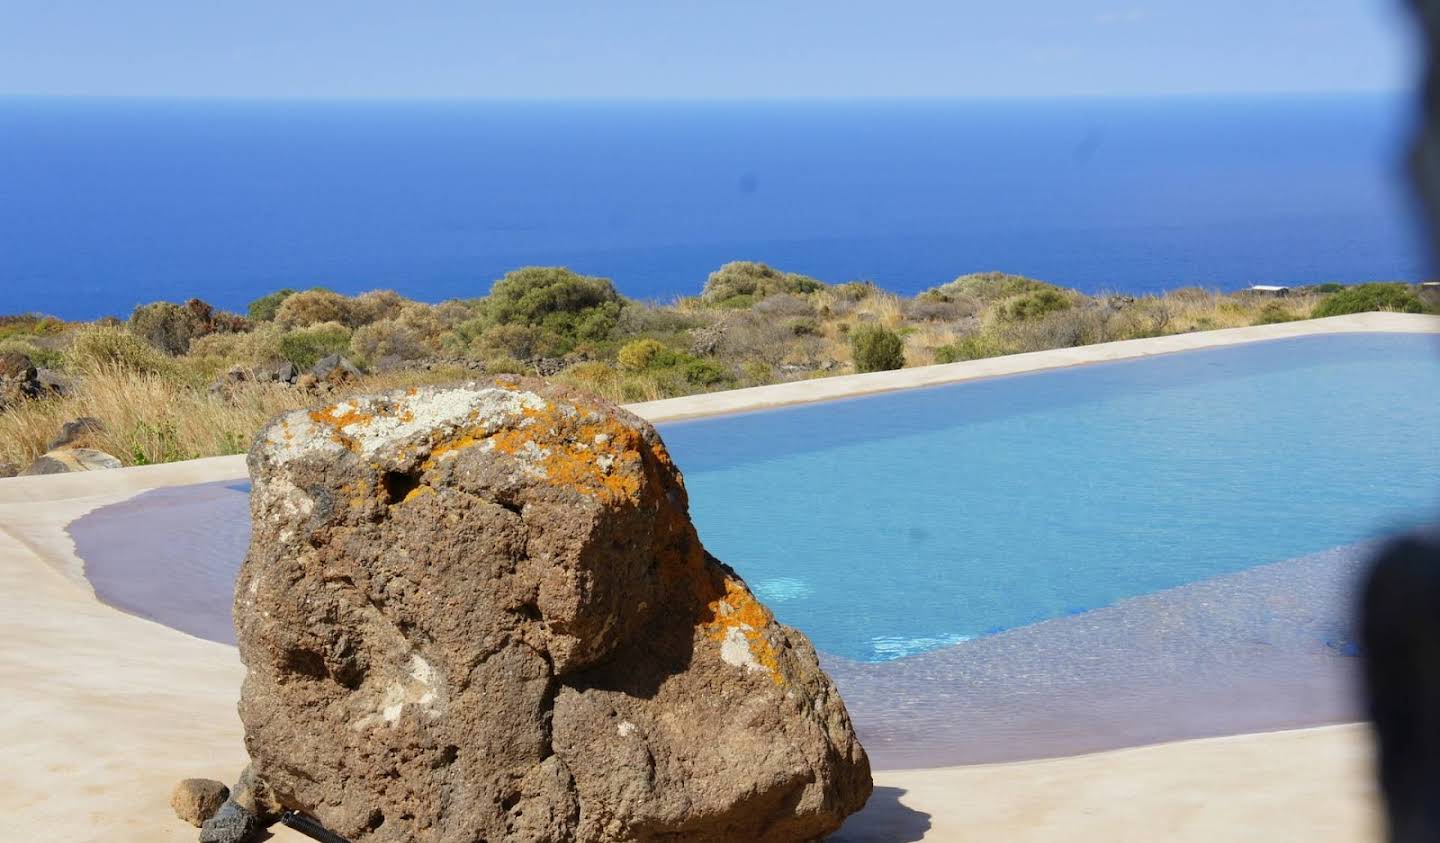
(482, 613)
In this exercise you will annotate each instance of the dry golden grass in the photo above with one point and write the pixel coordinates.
(148, 418)
(154, 418)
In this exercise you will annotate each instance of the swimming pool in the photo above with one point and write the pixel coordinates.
(891, 525)
(1035, 565)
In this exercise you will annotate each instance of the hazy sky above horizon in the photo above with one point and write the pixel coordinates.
(678, 48)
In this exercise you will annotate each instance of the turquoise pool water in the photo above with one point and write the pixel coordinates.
(901, 523)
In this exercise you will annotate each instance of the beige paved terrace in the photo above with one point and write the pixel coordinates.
(103, 711)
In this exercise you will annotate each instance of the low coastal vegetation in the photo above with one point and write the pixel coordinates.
(179, 381)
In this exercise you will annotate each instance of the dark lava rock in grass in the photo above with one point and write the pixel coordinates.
(483, 613)
(16, 366)
(73, 431)
(335, 369)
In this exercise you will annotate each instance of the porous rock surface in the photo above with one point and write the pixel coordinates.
(482, 613)
(197, 800)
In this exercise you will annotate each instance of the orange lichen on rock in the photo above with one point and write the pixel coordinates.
(417, 492)
(738, 610)
(580, 449)
(336, 419)
(458, 442)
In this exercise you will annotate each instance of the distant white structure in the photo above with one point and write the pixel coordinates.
(1270, 289)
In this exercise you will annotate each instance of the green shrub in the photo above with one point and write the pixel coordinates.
(854, 291)
(171, 327)
(315, 307)
(263, 309)
(1033, 305)
(757, 371)
(567, 308)
(521, 342)
(550, 296)
(649, 319)
(102, 346)
(1328, 287)
(376, 306)
(506, 366)
(804, 327)
(386, 338)
(876, 349)
(151, 444)
(640, 355)
(1364, 298)
(306, 346)
(1272, 314)
(593, 375)
(741, 283)
(452, 343)
(670, 368)
(986, 287)
(973, 347)
(260, 347)
(739, 301)
(706, 372)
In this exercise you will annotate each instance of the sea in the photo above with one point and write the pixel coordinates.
(109, 203)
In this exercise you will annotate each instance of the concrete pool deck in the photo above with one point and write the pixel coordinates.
(105, 711)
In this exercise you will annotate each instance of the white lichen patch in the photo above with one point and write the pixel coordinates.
(281, 502)
(420, 685)
(443, 412)
(532, 458)
(373, 425)
(735, 649)
(626, 728)
(295, 435)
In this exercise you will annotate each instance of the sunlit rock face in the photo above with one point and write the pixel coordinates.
(482, 613)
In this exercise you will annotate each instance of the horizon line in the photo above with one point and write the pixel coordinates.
(1402, 91)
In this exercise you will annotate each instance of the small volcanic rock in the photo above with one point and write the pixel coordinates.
(231, 824)
(197, 800)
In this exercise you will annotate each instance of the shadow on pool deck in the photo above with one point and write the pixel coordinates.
(885, 819)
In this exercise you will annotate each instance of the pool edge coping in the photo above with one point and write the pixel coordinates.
(839, 387)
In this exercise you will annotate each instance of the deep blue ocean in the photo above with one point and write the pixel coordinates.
(108, 203)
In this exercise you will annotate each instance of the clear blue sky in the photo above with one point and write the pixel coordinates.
(679, 48)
